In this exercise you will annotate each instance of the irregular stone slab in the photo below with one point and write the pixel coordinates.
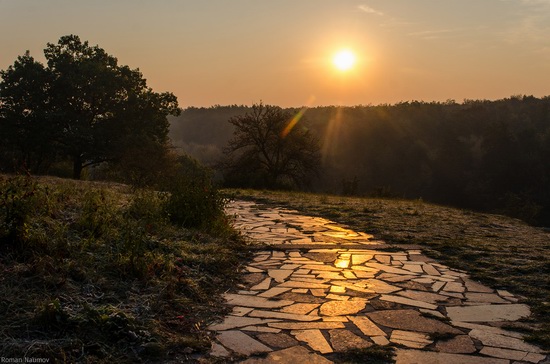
(241, 343)
(315, 340)
(410, 320)
(366, 326)
(408, 302)
(461, 344)
(240, 311)
(283, 315)
(218, 351)
(279, 341)
(306, 325)
(494, 330)
(231, 322)
(262, 286)
(341, 308)
(279, 275)
(318, 292)
(411, 339)
(298, 284)
(473, 286)
(292, 355)
(343, 340)
(404, 356)
(357, 259)
(388, 269)
(300, 308)
(299, 297)
(254, 301)
(275, 291)
(500, 341)
(454, 287)
(488, 313)
(261, 329)
(423, 296)
(484, 297)
(511, 354)
(380, 340)
(430, 270)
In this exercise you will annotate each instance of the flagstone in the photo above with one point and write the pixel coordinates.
(335, 319)
(241, 343)
(488, 313)
(218, 351)
(411, 339)
(452, 294)
(247, 293)
(396, 278)
(380, 340)
(300, 308)
(407, 301)
(484, 297)
(299, 290)
(437, 286)
(318, 292)
(409, 356)
(349, 275)
(263, 285)
(366, 326)
(292, 355)
(231, 322)
(495, 330)
(337, 297)
(387, 268)
(261, 329)
(275, 291)
(384, 259)
(315, 339)
(357, 259)
(340, 308)
(283, 315)
(423, 296)
(504, 293)
(410, 320)
(454, 287)
(303, 298)
(432, 312)
(473, 286)
(319, 267)
(323, 325)
(491, 339)
(240, 311)
(460, 344)
(423, 280)
(279, 341)
(253, 269)
(254, 301)
(430, 270)
(510, 354)
(299, 284)
(415, 268)
(343, 340)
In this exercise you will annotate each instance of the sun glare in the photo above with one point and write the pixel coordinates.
(344, 60)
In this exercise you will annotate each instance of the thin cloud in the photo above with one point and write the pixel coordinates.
(367, 9)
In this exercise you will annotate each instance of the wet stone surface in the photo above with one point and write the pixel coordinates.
(324, 289)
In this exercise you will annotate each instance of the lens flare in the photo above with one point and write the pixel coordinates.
(344, 60)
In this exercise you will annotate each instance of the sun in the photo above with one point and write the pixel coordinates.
(344, 60)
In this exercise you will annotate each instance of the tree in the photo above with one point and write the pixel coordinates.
(25, 138)
(267, 151)
(95, 108)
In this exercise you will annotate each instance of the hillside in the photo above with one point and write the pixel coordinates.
(502, 252)
(95, 272)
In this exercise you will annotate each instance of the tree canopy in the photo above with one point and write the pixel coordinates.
(83, 107)
(268, 150)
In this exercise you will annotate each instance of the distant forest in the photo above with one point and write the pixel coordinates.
(485, 155)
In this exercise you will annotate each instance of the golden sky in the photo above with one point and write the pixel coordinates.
(210, 52)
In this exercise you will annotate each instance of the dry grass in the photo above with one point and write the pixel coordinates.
(96, 273)
(502, 252)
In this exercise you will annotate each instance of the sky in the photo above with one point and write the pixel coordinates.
(224, 52)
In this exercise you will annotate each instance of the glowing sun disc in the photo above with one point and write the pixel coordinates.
(344, 60)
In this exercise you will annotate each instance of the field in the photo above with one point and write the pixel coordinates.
(499, 251)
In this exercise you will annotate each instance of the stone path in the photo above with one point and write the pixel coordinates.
(321, 289)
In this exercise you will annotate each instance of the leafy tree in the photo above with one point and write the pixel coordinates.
(25, 137)
(266, 151)
(94, 109)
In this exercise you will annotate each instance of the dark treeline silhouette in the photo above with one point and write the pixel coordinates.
(487, 155)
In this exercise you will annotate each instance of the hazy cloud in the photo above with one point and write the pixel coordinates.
(367, 9)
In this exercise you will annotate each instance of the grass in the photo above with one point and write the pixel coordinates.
(501, 252)
(98, 273)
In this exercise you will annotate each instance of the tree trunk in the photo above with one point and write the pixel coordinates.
(77, 167)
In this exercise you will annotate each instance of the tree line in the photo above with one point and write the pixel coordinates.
(480, 154)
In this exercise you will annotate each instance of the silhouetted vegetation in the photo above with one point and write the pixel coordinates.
(82, 108)
(268, 150)
(486, 155)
